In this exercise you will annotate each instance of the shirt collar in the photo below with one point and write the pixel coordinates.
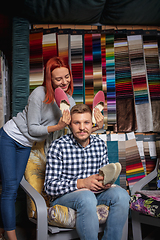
(74, 141)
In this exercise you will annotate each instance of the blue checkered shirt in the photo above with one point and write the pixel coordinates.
(68, 161)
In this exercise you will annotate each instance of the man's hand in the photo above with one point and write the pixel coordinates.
(92, 183)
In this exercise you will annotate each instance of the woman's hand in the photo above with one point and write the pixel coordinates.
(64, 120)
(99, 120)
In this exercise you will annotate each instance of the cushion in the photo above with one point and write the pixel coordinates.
(34, 174)
(62, 216)
(158, 177)
(57, 215)
(146, 202)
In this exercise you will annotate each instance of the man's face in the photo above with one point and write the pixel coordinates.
(81, 124)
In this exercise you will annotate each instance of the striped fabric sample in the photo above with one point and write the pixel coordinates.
(150, 44)
(158, 40)
(49, 45)
(138, 70)
(140, 86)
(104, 83)
(134, 167)
(99, 74)
(110, 76)
(126, 118)
(36, 59)
(77, 66)
(122, 67)
(89, 88)
(150, 162)
(122, 160)
(97, 65)
(63, 45)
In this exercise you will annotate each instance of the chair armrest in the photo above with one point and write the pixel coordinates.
(42, 221)
(141, 183)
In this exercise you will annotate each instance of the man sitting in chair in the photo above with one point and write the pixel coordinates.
(72, 178)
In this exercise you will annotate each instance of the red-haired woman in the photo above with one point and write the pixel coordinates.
(39, 118)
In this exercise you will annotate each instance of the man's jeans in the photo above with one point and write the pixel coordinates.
(85, 202)
(13, 160)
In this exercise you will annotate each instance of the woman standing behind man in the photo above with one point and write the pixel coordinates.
(39, 118)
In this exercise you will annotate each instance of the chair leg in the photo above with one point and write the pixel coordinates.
(125, 231)
(136, 227)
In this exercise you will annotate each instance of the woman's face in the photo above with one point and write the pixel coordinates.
(61, 78)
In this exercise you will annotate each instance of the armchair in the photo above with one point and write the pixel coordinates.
(32, 184)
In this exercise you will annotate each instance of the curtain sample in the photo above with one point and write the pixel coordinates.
(36, 59)
(89, 88)
(150, 44)
(77, 66)
(49, 45)
(110, 76)
(125, 107)
(140, 87)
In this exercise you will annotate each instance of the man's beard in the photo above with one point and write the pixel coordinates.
(82, 140)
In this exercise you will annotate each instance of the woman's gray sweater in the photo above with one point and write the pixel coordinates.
(37, 115)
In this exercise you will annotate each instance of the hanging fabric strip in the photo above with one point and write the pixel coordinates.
(134, 167)
(97, 65)
(158, 39)
(36, 58)
(64, 44)
(139, 141)
(110, 77)
(126, 117)
(77, 65)
(122, 159)
(138, 70)
(150, 162)
(140, 84)
(49, 44)
(89, 89)
(113, 154)
(97, 69)
(104, 83)
(150, 43)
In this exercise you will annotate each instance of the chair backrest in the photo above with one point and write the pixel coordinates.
(35, 174)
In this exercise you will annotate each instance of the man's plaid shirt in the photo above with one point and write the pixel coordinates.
(68, 161)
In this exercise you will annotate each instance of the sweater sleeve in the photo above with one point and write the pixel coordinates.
(35, 129)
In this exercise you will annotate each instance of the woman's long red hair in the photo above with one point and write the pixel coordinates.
(55, 62)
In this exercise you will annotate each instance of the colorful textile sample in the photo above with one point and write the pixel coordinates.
(122, 159)
(77, 66)
(126, 117)
(49, 44)
(64, 44)
(150, 44)
(104, 83)
(134, 167)
(140, 87)
(110, 76)
(36, 59)
(88, 57)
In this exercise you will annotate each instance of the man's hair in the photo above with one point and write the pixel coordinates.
(80, 108)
